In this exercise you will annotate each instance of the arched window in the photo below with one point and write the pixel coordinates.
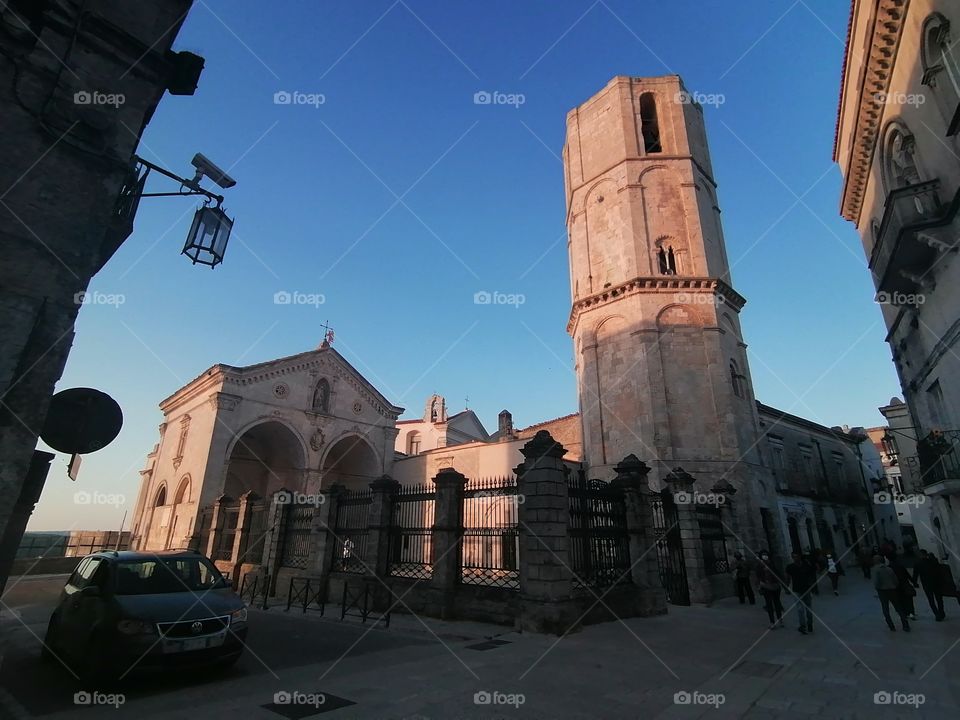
(667, 260)
(941, 68)
(649, 124)
(183, 491)
(413, 443)
(161, 498)
(900, 167)
(321, 397)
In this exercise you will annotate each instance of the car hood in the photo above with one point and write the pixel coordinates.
(172, 607)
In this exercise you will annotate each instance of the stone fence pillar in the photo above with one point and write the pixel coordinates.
(381, 510)
(446, 537)
(680, 483)
(632, 480)
(276, 517)
(241, 539)
(323, 538)
(545, 574)
(217, 523)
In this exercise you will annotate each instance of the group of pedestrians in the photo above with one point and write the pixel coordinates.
(896, 587)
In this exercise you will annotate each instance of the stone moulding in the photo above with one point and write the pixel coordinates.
(884, 40)
(664, 284)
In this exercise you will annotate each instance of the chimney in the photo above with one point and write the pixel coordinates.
(506, 424)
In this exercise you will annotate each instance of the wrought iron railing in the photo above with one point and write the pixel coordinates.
(937, 458)
(905, 207)
(350, 531)
(411, 533)
(599, 540)
(297, 523)
(713, 540)
(490, 544)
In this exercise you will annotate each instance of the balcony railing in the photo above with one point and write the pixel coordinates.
(937, 459)
(905, 246)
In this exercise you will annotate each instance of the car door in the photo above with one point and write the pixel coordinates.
(76, 607)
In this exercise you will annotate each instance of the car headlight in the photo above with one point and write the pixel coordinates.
(238, 615)
(134, 627)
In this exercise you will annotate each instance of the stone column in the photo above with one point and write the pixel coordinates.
(271, 543)
(547, 603)
(242, 537)
(445, 537)
(323, 539)
(680, 483)
(216, 526)
(632, 480)
(378, 541)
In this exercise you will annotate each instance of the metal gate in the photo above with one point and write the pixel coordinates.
(597, 531)
(350, 531)
(670, 562)
(295, 551)
(411, 533)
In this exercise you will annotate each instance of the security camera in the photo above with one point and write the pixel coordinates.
(206, 167)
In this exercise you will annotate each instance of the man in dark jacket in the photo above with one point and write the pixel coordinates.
(886, 583)
(803, 576)
(927, 570)
(742, 575)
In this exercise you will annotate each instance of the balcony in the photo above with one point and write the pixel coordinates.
(937, 463)
(913, 232)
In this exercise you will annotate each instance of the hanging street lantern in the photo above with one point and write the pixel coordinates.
(207, 240)
(208, 236)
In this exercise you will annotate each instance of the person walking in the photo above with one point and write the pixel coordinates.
(886, 583)
(905, 586)
(803, 577)
(742, 574)
(927, 570)
(770, 584)
(833, 572)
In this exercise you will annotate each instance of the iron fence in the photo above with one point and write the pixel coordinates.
(350, 531)
(713, 540)
(669, 545)
(255, 532)
(411, 527)
(599, 541)
(226, 533)
(295, 550)
(490, 543)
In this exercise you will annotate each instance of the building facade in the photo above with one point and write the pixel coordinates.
(78, 85)
(897, 144)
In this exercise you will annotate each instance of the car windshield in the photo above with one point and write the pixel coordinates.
(167, 575)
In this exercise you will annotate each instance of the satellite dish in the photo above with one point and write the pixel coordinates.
(81, 420)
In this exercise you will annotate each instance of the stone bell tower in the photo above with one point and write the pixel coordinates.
(661, 365)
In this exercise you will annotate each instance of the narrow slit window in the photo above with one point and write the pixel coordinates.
(649, 124)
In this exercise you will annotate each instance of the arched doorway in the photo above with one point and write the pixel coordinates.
(350, 462)
(266, 458)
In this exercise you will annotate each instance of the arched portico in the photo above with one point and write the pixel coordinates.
(264, 458)
(351, 462)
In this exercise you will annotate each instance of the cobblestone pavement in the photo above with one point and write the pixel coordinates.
(723, 659)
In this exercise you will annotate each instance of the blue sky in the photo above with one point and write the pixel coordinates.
(480, 207)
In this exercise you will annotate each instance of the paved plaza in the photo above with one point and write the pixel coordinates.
(721, 658)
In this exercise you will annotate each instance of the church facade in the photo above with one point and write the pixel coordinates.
(661, 366)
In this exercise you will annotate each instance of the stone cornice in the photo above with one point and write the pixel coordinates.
(872, 86)
(674, 284)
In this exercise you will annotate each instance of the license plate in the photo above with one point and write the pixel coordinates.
(188, 644)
